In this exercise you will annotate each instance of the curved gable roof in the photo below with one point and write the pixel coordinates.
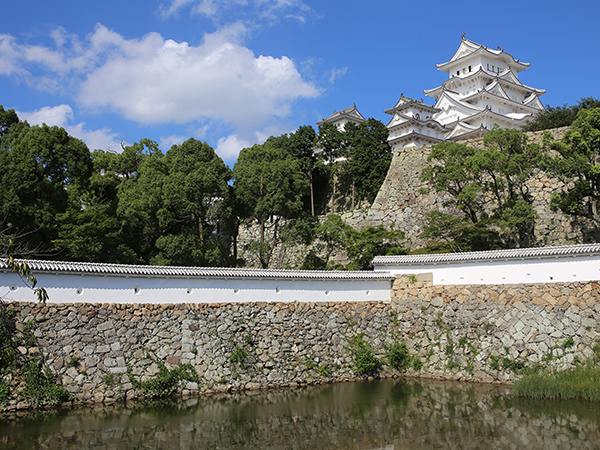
(406, 102)
(468, 48)
(352, 114)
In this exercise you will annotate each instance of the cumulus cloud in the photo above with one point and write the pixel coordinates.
(163, 81)
(62, 116)
(166, 142)
(229, 147)
(152, 80)
(50, 115)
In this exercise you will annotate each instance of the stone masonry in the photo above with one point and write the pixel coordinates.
(474, 333)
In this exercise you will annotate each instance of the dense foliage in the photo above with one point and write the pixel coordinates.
(488, 186)
(179, 207)
(560, 116)
(578, 164)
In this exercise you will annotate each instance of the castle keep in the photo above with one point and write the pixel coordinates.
(482, 90)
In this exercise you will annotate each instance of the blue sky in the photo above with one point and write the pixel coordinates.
(233, 72)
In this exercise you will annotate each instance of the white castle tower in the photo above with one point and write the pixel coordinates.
(483, 90)
(340, 118)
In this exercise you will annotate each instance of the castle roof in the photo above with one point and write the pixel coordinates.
(463, 130)
(413, 136)
(506, 78)
(350, 114)
(468, 49)
(407, 102)
(401, 121)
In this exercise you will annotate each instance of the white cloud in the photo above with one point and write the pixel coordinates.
(161, 81)
(62, 116)
(334, 73)
(166, 142)
(219, 83)
(229, 147)
(50, 115)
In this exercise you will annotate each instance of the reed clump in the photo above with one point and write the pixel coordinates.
(580, 382)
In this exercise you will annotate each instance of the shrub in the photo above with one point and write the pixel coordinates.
(166, 382)
(363, 356)
(398, 357)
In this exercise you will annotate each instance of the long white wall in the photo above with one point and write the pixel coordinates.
(506, 272)
(94, 288)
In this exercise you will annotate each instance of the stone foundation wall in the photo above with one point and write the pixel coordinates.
(475, 333)
(491, 333)
(404, 199)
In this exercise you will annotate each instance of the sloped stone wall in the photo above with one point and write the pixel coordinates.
(404, 199)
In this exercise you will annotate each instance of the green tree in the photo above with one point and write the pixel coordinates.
(42, 166)
(560, 116)
(369, 242)
(330, 147)
(7, 120)
(269, 184)
(489, 184)
(449, 233)
(90, 229)
(360, 246)
(368, 158)
(301, 145)
(170, 207)
(578, 165)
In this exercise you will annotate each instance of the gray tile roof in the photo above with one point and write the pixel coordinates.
(196, 272)
(518, 253)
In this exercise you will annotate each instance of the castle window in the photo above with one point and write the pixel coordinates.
(469, 68)
(458, 72)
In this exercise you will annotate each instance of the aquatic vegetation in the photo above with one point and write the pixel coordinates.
(580, 382)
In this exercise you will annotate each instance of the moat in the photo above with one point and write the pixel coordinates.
(387, 414)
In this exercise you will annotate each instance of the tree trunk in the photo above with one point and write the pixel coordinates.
(312, 193)
(333, 183)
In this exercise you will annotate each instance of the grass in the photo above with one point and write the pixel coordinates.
(581, 382)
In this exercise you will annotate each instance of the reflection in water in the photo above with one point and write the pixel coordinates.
(388, 414)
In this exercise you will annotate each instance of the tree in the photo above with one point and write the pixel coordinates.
(170, 209)
(90, 229)
(368, 158)
(449, 233)
(269, 183)
(360, 246)
(578, 165)
(560, 116)
(489, 184)
(42, 166)
(330, 143)
(301, 146)
(369, 242)
(7, 120)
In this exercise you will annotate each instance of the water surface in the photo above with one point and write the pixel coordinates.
(387, 414)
